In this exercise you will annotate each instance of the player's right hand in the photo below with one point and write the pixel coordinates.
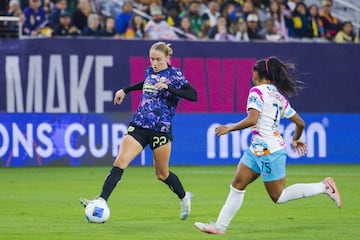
(221, 130)
(119, 97)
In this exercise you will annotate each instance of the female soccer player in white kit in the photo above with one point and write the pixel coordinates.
(266, 156)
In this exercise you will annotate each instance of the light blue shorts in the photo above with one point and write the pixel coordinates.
(271, 167)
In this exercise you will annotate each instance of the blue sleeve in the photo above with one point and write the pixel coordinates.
(177, 78)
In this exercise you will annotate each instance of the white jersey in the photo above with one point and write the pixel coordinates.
(272, 106)
(161, 30)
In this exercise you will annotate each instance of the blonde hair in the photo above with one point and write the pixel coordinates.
(163, 47)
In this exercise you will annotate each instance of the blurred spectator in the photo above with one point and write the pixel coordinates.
(92, 28)
(109, 28)
(223, 34)
(229, 12)
(241, 32)
(185, 27)
(346, 34)
(302, 21)
(142, 5)
(173, 18)
(157, 28)
(47, 5)
(292, 4)
(80, 16)
(211, 14)
(34, 18)
(136, 28)
(203, 6)
(14, 11)
(122, 20)
(182, 4)
(270, 31)
(196, 20)
(252, 25)
(248, 8)
(65, 28)
(279, 20)
(331, 23)
(221, 21)
(60, 5)
(286, 12)
(107, 7)
(316, 22)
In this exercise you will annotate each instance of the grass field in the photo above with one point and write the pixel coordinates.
(42, 203)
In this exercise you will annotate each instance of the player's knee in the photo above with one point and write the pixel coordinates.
(161, 176)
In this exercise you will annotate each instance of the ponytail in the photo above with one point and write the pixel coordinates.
(163, 47)
(279, 74)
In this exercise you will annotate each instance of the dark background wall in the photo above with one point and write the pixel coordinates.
(221, 71)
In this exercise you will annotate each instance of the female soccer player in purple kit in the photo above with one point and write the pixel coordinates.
(151, 125)
(266, 156)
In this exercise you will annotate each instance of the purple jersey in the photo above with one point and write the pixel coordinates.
(157, 107)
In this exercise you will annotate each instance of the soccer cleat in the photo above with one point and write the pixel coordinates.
(84, 201)
(332, 191)
(185, 204)
(210, 228)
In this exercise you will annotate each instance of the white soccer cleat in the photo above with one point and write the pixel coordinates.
(185, 206)
(210, 228)
(332, 191)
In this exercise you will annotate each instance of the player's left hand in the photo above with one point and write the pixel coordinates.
(299, 147)
(161, 85)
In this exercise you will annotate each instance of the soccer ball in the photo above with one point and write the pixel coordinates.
(97, 211)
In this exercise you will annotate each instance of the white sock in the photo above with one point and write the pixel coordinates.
(230, 208)
(301, 190)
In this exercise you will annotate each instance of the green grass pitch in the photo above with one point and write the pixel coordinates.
(42, 203)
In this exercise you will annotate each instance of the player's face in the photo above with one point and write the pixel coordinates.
(158, 60)
(256, 78)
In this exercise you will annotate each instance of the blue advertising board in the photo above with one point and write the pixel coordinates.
(94, 139)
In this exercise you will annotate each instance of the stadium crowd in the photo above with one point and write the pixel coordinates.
(218, 20)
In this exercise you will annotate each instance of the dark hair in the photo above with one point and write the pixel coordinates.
(279, 73)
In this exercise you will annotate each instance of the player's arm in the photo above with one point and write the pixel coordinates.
(249, 121)
(186, 91)
(120, 94)
(136, 86)
(298, 146)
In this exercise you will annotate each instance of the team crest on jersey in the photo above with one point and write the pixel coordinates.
(162, 79)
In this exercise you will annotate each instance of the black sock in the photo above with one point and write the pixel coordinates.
(175, 185)
(111, 181)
